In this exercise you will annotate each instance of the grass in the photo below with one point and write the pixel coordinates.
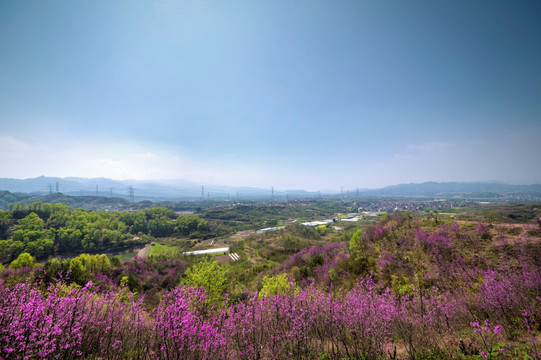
(163, 250)
(129, 255)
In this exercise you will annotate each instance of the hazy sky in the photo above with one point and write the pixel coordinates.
(291, 94)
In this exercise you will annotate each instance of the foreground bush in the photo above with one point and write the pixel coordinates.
(441, 293)
(365, 323)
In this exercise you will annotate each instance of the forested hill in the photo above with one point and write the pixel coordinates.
(45, 230)
(82, 202)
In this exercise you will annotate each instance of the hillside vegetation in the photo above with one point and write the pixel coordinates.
(408, 286)
(45, 230)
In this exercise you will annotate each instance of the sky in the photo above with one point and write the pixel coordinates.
(292, 94)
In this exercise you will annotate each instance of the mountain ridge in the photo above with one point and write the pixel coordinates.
(182, 189)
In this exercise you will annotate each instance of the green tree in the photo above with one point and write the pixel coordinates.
(23, 260)
(78, 271)
(161, 227)
(356, 241)
(4, 224)
(69, 239)
(209, 274)
(116, 261)
(187, 224)
(16, 248)
(31, 222)
(6, 251)
(53, 270)
(274, 285)
(31, 231)
(363, 257)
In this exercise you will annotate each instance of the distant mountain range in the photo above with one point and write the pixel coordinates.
(455, 188)
(142, 190)
(182, 190)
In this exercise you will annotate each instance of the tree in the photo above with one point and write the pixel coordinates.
(78, 271)
(116, 261)
(23, 260)
(274, 285)
(356, 241)
(210, 275)
(31, 222)
(69, 239)
(187, 224)
(54, 269)
(363, 257)
(4, 224)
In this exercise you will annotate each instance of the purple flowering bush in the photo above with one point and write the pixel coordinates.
(426, 292)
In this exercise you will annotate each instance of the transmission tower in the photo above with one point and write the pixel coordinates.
(132, 194)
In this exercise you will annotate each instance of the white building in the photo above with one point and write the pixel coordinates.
(316, 223)
(208, 251)
(262, 231)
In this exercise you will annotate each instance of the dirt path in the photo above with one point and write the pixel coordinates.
(143, 253)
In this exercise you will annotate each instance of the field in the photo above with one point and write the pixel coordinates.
(157, 250)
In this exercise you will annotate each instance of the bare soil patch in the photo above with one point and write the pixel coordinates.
(143, 253)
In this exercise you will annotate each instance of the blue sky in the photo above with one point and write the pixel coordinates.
(290, 94)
